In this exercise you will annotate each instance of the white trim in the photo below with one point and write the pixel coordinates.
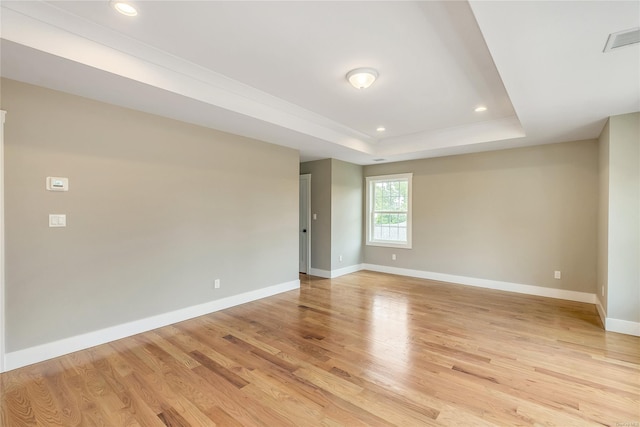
(345, 270)
(623, 326)
(369, 183)
(319, 273)
(2, 306)
(326, 274)
(617, 325)
(486, 283)
(17, 359)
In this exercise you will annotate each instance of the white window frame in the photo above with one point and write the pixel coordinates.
(370, 185)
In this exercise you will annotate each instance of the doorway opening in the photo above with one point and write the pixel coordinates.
(304, 229)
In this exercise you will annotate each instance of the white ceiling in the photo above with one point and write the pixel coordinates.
(275, 71)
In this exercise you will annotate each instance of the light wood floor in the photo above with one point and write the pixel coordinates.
(363, 349)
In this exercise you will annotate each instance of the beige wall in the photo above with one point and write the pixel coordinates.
(511, 215)
(157, 209)
(623, 293)
(346, 216)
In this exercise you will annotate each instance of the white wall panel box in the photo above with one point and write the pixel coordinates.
(55, 183)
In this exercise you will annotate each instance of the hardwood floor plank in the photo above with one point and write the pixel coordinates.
(64, 400)
(47, 412)
(365, 349)
(221, 418)
(184, 358)
(295, 413)
(226, 400)
(17, 409)
(269, 357)
(219, 369)
(172, 418)
(85, 385)
(170, 391)
(133, 407)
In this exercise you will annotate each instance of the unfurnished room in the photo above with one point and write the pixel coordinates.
(319, 213)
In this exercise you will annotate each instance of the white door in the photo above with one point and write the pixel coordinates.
(305, 223)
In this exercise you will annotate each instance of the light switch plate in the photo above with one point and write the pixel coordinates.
(57, 220)
(56, 183)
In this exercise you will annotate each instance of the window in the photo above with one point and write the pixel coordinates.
(389, 210)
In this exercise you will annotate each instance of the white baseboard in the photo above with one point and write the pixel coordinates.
(486, 283)
(28, 356)
(335, 273)
(623, 326)
(345, 270)
(319, 273)
(617, 325)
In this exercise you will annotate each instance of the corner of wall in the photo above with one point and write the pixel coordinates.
(602, 313)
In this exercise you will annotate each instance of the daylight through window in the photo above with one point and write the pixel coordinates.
(389, 210)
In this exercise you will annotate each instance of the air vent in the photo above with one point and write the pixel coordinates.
(379, 160)
(622, 39)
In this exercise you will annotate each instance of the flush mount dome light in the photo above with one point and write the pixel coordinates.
(480, 109)
(124, 8)
(622, 39)
(362, 78)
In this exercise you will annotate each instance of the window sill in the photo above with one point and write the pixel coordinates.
(389, 244)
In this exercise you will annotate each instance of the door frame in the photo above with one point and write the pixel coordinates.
(307, 178)
(2, 304)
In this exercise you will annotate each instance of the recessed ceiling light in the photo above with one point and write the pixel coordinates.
(362, 78)
(381, 129)
(480, 109)
(124, 8)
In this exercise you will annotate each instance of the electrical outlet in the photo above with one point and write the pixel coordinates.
(340, 258)
(557, 274)
(393, 257)
(216, 284)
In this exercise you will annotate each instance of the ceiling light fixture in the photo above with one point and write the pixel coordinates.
(622, 39)
(124, 8)
(362, 78)
(381, 129)
(480, 109)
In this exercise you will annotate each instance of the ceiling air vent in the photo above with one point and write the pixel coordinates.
(622, 39)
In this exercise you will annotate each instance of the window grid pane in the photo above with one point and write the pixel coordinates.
(390, 196)
(390, 226)
(389, 219)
